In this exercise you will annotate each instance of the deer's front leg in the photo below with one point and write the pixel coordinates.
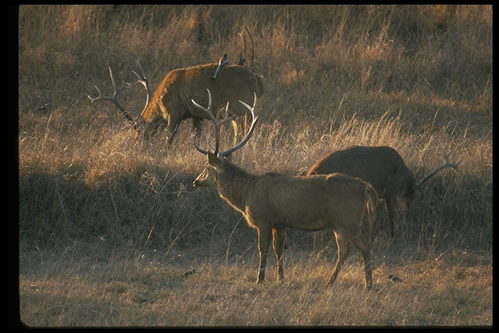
(264, 235)
(173, 124)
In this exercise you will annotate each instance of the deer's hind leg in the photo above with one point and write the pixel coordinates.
(278, 244)
(360, 243)
(391, 207)
(343, 249)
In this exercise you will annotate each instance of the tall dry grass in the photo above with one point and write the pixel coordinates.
(93, 199)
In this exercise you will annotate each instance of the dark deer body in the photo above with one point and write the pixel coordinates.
(273, 202)
(384, 169)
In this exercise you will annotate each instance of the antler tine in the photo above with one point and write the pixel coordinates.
(193, 136)
(250, 132)
(217, 122)
(251, 108)
(252, 47)
(455, 166)
(209, 111)
(227, 118)
(113, 97)
(447, 164)
(142, 79)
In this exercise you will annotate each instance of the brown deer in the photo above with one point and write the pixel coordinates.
(273, 202)
(171, 103)
(384, 169)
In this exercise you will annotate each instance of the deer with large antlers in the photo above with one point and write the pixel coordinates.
(171, 103)
(273, 202)
(384, 169)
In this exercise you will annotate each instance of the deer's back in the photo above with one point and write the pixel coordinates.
(306, 203)
(234, 83)
(382, 167)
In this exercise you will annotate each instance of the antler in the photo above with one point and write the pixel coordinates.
(143, 81)
(242, 57)
(113, 97)
(252, 47)
(124, 85)
(251, 109)
(447, 164)
(218, 123)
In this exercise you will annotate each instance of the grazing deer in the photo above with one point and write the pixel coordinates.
(384, 169)
(273, 202)
(171, 103)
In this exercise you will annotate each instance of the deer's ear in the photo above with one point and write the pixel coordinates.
(215, 162)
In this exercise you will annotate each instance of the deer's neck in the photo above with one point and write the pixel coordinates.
(234, 184)
(155, 108)
(151, 112)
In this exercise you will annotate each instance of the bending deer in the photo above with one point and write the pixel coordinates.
(384, 169)
(171, 103)
(273, 202)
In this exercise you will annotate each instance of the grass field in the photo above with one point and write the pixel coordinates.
(112, 233)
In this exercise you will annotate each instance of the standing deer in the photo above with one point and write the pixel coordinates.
(171, 103)
(273, 202)
(384, 169)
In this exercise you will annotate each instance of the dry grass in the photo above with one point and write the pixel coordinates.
(109, 224)
(153, 289)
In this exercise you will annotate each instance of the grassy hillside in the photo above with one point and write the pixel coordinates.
(97, 205)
